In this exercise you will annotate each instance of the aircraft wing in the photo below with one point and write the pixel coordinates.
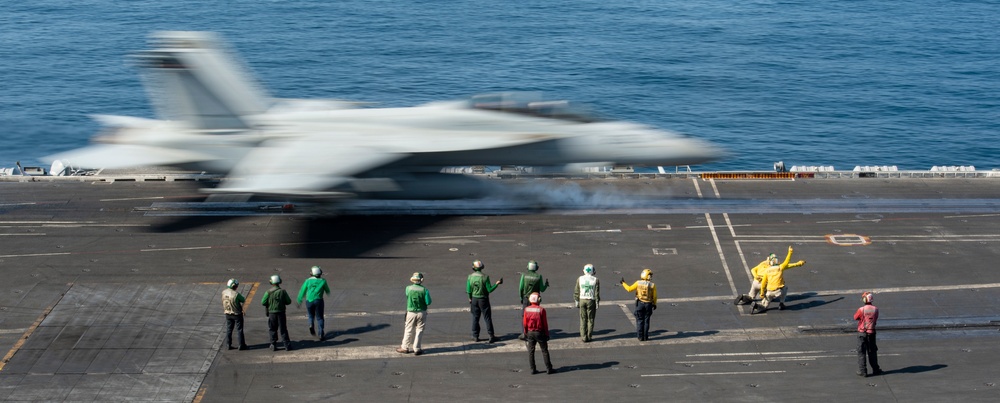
(308, 166)
(111, 156)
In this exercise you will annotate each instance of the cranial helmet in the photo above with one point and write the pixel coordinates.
(232, 283)
(316, 271)
(867, 297)
(532, 265)
(478, 265)
(535, 298)
(589, 269)
(417, 278)
(646, 274)
(772, 259)
(275, 279)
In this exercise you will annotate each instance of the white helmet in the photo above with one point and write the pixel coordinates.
(532, 265)
(478, 265)
(232, 283)
(275, 279)
(316, 271)
(589, 269)
(535, 298)
(867, 297)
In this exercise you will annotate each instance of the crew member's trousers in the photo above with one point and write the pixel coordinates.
(314, 309)
(778, 294)
(413, 330)
(276, 323)
(233, 320)
(536, 338)
(643, 312)
(588, 311)
(481, 307)
(867, 347)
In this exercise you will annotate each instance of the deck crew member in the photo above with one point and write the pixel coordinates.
(758, 274)
(536, 325)
(232, 306)
(479, 287)
(312, 290)
(417, 300)
(645, 302)
(275, 302)
(772, 284)
(867, 316)
(587, 294)
(530, 282)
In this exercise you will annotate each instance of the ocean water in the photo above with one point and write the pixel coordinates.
(820, 82)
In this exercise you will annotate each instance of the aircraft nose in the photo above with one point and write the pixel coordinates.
(709, 151)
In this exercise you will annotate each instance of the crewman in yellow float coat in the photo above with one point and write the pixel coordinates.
(772, 283)
(758, 274)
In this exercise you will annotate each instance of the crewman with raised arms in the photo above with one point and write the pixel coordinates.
(772, 284)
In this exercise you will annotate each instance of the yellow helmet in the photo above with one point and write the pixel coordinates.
(646, 274)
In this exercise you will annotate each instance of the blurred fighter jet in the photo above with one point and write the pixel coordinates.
(214, 117)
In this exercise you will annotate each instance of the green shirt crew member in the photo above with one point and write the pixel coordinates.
(275, 302)
(530, 282)
(479, 287)
(417, 300)
(313, 289)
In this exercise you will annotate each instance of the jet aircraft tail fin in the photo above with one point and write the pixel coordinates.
(191, 78)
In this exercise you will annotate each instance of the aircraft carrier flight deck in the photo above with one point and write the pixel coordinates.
(112, 290)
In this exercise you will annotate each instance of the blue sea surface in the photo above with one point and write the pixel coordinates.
(844, 83)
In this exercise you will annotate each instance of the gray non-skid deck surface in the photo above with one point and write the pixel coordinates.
(140, 318)
(116, 342)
